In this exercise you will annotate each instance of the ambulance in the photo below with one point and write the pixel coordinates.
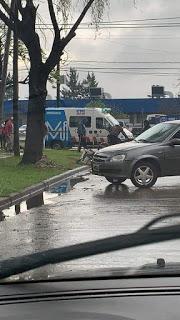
(62, 125)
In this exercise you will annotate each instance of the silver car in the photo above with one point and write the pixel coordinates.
(22, 129)
(154, 153)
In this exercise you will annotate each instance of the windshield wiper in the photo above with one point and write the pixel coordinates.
(143, 236)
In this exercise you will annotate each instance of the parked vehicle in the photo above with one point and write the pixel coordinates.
(155, 153)
(158, 118)
(62, 126)
(22, 129)
(124, 122)
(22, 136)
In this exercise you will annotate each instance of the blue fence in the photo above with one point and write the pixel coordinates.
(169, 105)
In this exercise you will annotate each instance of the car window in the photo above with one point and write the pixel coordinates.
(177, 135)
(158, 133)
(102, 123)
(99, 123)
(75, 120)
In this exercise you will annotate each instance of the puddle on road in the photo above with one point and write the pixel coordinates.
(126, 192)
(49, 196)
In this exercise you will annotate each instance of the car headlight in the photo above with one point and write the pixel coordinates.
(119, 157)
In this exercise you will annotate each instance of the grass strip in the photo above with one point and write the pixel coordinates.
(14, 178)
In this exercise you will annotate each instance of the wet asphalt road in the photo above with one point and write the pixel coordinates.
(93, 209)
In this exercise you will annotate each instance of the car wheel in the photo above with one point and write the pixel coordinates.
(144, 175)
(115, 180)
(57, 145)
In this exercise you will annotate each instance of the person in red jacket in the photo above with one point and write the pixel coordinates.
(9, 134)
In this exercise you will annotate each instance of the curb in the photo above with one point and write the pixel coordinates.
(45, 185)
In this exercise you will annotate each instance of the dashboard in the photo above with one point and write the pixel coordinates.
(123, 299)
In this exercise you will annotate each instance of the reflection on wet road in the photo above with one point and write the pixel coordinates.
(91, 210)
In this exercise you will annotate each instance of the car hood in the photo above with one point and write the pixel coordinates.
(123, 147)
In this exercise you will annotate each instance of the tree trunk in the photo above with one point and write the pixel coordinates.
(35, 131)
(35, 117)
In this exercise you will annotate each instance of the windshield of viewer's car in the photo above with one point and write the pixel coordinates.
(157, 133)
(69, 174)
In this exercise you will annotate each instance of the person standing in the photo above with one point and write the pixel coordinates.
(9, 134)
(146, 125)
(4, 135)
(113, 137)
(82, 135)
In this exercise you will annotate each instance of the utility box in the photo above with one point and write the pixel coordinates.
(157, 91)
(96, 92)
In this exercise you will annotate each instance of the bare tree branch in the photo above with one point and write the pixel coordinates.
(72, 33)
(20, 7)
(53, 17)
(54, 56)
(59, 44)
(25, 81)
(9, 21)
(10, 10)
(6, 20)
(5, 6)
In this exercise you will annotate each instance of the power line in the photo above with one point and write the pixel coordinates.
(119, 62)
(148, 19)
(119, 21)
(128, 38)
(130, 73)
(117, 27)
(127, 68)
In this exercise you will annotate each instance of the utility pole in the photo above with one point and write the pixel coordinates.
(15, 89)
(58, 95)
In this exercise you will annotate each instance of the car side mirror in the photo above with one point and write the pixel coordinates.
(174, 142)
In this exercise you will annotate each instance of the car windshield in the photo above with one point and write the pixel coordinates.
(111, 120)
(23, 127)
(157, 133)
(80, 80)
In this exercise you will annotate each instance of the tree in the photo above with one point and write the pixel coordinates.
(89, 82)
(25, 24)
(74, 89)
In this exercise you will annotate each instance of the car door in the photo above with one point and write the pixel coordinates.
(172, 157)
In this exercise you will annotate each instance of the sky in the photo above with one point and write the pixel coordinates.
(129, 53)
